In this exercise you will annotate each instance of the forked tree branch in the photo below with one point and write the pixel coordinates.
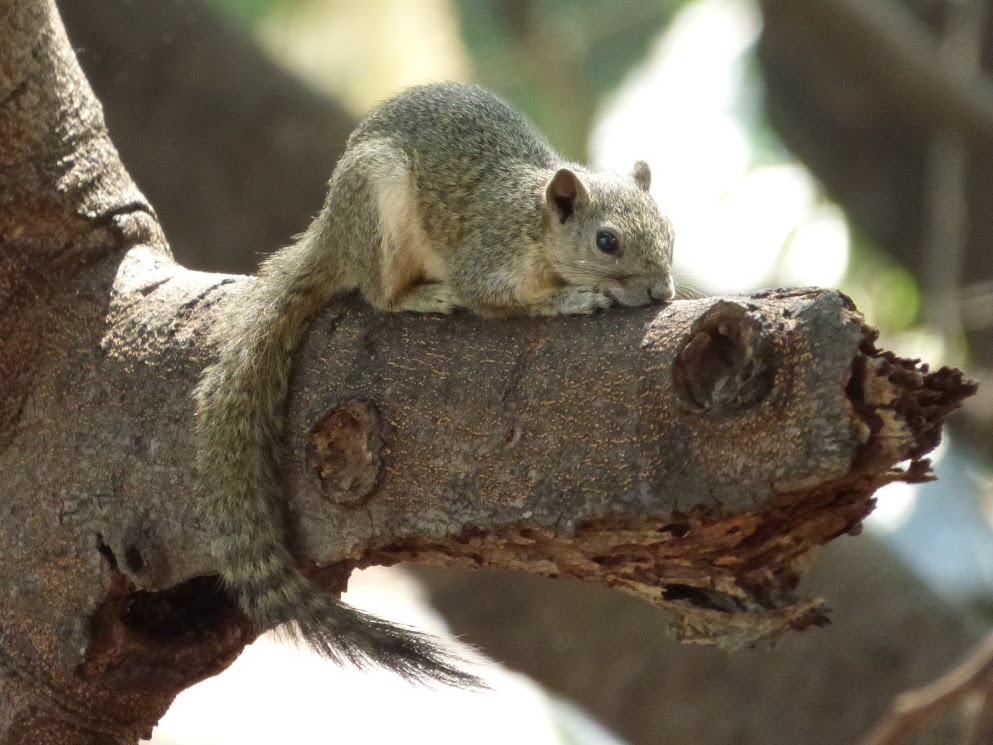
(693, 455)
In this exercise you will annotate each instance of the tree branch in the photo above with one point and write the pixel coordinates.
(914, 709)
(891, 48)
(693, 456)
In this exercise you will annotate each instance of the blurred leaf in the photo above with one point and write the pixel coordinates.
(882, 289)
(557, 59)
(251, 11)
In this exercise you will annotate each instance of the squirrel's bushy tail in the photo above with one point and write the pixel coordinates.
(276, 594)
(241, 401)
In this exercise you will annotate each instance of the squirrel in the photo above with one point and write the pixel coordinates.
(444, 198)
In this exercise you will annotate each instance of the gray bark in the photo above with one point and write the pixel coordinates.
(693, 456)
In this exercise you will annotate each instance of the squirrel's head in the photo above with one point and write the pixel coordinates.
(607, 233)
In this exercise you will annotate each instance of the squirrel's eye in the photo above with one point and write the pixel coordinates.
(607, 242)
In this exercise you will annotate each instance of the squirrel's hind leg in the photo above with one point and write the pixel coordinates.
(409, 274)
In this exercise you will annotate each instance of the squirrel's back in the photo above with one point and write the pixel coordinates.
(445, 123)
(472, 158)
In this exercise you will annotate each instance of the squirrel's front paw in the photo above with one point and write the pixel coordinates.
(429, 298)
(441, 299)
(575, 300)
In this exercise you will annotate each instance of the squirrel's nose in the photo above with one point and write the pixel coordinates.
(663, 291)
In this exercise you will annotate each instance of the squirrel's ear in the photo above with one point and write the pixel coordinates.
(565, 192)
(642, 175)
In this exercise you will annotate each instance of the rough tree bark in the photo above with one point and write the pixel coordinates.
(693, 456)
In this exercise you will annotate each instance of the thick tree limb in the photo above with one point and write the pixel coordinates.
(693, 456)
(702, 491)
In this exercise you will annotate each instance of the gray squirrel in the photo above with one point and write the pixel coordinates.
(444, 198)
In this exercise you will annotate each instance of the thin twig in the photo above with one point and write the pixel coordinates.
(912, 710)
(982, 725)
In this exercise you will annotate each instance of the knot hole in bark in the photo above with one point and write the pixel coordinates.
(725, 366)
(345, 450)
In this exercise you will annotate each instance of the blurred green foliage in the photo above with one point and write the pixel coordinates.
(555, 59)
(558, 59)
(252, 11)
(883, 290)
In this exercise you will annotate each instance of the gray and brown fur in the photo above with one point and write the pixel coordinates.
(444, 198)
